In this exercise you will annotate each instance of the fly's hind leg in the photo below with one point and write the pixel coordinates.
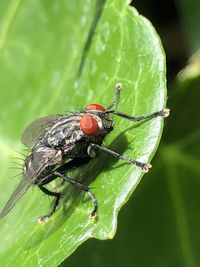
(74, 163)
(61, 170)
(57, 196)
(84, 188)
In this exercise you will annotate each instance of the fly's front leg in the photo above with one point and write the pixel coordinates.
(115, 100)
(144, 166)
(112, 109)
(161, 113)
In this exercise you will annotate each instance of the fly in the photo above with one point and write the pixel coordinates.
(59, 143)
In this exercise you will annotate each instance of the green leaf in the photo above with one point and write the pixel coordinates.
(60, 56)
(161, 220)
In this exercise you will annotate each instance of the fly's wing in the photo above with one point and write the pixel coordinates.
(37, 128)
(22, 187)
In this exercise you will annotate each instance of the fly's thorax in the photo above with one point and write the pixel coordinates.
(64, 132)
(72, 129)
(40, 159)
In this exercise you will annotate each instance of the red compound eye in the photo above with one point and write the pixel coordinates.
(95, 107)
(89, 125)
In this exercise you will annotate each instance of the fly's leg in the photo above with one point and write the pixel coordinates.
(162, 113)
(57, 196)
(115, 101)
(74, 163)
(84, 188)
(60, 173)
(111, 109)
(144, 166)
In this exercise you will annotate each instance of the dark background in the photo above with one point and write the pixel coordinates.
(165, 17)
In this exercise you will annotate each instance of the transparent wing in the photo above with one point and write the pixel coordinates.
(22, 187)
(19, 191)
(36, 129)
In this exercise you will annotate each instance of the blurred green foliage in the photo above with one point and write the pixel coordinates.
(189, 12)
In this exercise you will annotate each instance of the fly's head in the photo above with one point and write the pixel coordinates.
(95, 122)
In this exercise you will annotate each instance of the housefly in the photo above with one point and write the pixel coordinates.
(59, 143)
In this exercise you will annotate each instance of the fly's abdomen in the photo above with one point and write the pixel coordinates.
(41, 160)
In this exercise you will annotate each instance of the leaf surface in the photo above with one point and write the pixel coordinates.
(57, 57)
